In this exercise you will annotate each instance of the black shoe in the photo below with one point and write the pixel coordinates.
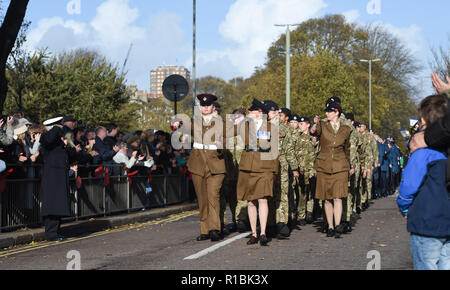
(263, 240)
(330, 233)
(339, 231)
(358, 210)
(203, 238)
(215, 236)
(302, 223)
(283, 229)
(232, 228)
(309, 218)
(225, 232)
(347, 228)
(253, 240)
(241, 226)
(324, 228)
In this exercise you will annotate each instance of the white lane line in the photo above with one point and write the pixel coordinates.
(215, 247)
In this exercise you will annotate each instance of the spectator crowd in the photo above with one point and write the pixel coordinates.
(89, 147)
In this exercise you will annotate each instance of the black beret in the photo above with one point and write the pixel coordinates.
(350, 116)
(258, 106)
(305, 120)
(271, 106)
(356, 124)
(206, 99)
(294, 117)
(333, 107)
(334, 100)
(286, 111)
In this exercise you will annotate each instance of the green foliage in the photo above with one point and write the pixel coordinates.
(78, 83)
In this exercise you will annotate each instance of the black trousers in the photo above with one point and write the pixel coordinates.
(376, 189)
(52, 225)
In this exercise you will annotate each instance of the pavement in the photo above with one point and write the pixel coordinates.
(169, 244)
(73, 229)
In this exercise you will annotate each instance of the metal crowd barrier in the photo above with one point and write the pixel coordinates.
(92, 193)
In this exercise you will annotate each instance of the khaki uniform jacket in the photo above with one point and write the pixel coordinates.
(334, 156)
(201, 162)
(252, 161)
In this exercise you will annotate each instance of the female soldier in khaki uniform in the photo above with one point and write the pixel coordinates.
(257, 168)
(333, 166)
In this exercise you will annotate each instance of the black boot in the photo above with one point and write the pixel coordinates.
(283, 231)
(215, 236)
(241, 227)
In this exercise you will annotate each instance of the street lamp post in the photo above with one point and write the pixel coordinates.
(288, 62)
(370, 61)
(194, 80)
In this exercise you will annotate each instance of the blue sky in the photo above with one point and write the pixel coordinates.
(232, 35)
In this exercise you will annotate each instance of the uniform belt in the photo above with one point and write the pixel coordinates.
(204, 147)
(248, 149)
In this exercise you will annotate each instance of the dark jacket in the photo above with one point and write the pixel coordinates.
(438, 136)
(55, 180)
(105, 155)
(423, 194)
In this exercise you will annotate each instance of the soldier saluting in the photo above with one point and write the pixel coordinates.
(207, 165)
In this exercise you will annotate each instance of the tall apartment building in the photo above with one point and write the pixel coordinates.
(158, 75)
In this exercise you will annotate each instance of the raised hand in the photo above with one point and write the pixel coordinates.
(440, 85)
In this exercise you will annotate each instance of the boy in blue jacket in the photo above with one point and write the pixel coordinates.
(424, 199)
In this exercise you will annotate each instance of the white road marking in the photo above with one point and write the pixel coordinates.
(215, 247)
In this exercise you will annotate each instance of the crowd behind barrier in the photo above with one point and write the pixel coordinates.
(110, 171)
(93, 193)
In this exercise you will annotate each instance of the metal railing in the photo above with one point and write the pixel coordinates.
(93, 193)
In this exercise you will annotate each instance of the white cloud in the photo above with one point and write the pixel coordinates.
(411, 36)
(352, 15)
(249, 31)
(111, 31)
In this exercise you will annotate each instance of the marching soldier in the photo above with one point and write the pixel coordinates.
(306, 158)
(295, 133)
(257, 168)
(367, 160)
(235, 147)
(288, 163)
(347, 202)
(207, 165)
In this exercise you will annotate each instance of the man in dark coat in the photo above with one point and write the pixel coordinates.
(105, 154)
(55, 180)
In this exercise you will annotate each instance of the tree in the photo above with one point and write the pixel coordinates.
(326, 54)
(79, 83)
(9, 31)
(441, 60)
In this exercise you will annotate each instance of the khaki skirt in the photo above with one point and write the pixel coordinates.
(254, 186)
(332, 186)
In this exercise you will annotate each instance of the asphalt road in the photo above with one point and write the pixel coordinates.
(164, 245)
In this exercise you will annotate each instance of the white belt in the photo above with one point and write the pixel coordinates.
(204, 147)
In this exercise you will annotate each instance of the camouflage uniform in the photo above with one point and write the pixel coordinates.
(306, 157)
(288, 162)
(294, 198)
(228, 191)
(366, 158)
